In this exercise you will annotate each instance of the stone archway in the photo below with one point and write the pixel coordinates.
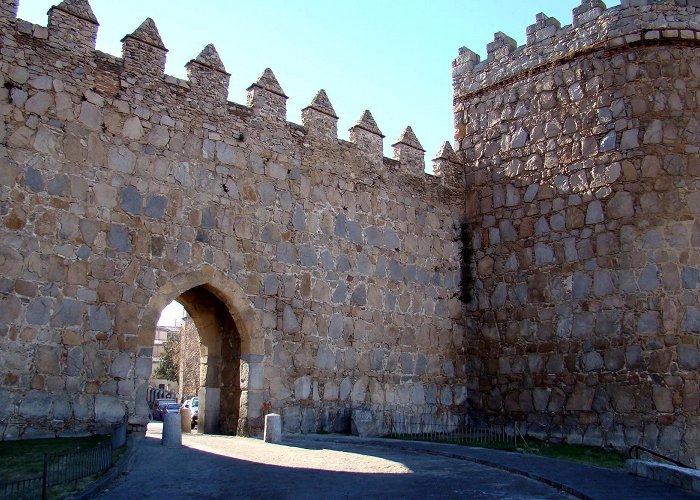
(231, 349)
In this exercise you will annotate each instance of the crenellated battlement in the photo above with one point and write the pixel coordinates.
(593, 27)
(72, 31)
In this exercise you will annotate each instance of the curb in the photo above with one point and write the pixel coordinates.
(122, 466)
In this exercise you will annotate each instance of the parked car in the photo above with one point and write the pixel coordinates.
(170, 408)
(193, 404)
(159, 406)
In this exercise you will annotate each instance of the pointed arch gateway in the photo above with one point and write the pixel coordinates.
(231, 350)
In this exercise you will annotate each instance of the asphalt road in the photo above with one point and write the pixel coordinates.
(214, 467)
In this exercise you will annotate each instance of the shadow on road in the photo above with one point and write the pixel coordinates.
(232, 467)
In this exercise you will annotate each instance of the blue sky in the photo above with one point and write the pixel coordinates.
(391, 57)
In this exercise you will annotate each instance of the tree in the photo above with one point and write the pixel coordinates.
(168, 366)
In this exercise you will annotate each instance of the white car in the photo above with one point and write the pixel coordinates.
(193, 404)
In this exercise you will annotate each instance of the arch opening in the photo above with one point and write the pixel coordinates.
(230, 350)
(220, 358)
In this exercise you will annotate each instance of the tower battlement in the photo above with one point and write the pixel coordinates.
(593, 27)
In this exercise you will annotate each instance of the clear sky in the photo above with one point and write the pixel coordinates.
(392, 57)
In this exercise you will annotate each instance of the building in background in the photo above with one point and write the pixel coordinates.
(163, 333)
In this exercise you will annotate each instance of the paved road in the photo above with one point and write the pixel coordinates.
(212, 467)
(341, 467)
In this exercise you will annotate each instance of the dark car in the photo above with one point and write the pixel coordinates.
(170, 408)
(159, 406)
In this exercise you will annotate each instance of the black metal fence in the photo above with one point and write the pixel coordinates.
(60, 470)
(460, 431)
(24, 488)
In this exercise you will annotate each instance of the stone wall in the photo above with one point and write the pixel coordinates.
(581, 149)
(122, 188)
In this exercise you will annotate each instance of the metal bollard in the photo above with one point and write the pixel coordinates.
(273, 428)
(172, 431)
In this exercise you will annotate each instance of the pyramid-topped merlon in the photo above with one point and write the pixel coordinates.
(408, 137)
(322, 104)
(210, 57)
(446, 153)
(78, 8)
(269, 82)
(147, 33)
(366, 122)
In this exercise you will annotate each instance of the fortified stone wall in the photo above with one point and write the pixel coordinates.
(581, 149)
(122, 188)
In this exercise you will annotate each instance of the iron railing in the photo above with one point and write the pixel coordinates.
(23, 488)
(636, 449)
(460, 431)
(59, 470)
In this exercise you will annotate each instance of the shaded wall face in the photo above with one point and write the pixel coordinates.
(584, 201)
(114, 183)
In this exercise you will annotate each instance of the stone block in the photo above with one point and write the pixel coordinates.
(67, 312)
(691, 320)
(330, 391)
(649, 278)
(302, 388)
(335, 326)
(155, 206)
(38, 310)
(581, 399)
(622, 398)
(359, 296)
(130, 200)
(121, 159)
(121, 366)
(143, 368)
(593, 361)
(91, 116)
(603, 283)
(290, 324)
(614, 359)
(690, 277)
(594, 212)
(291, 419)
(366, 423)
(377, 359)
(687, 357)
(648, 323)
(252, 375)
(36, 404)
(111, 409)
(663, 399)
(633, 356)
(359, 389)
(74, 361)
(119, 238)
(99, 318)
